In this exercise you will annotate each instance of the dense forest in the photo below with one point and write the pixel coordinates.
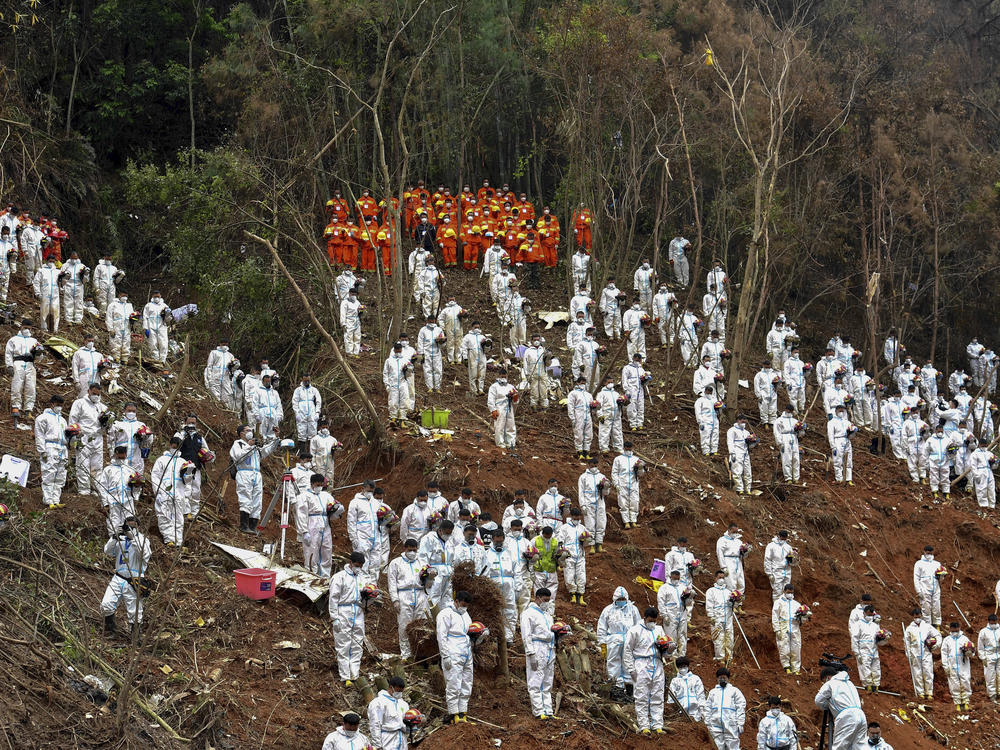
(839, 157)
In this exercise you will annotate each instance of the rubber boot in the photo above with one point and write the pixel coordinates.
(109, 625)
(629, 692)
(252, 526)
(244, 518)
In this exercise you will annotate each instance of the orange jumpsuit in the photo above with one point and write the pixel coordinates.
(385, 214)
(548, 231)
(485, 193)
(472, 242)
(350, 238)
(337, 207)
(369, 238)
(463, 199)
(367, 208)
(526, 208)
(387, 248)
(448, 239)
(581, 228)
(510, 244)
(424, 207)
(409, 216)
(332, 236)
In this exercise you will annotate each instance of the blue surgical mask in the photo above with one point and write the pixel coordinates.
(621, 603)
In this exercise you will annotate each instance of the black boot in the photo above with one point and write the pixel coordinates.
(252, 525)
(109, 625)
(244, 518)
(617, 694)
(630, 692)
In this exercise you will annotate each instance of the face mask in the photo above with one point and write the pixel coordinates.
(95, 399)
(502, 381)
(682, 550)
(720, 584)
(324, 432)
(649, 625)
(57, 410)
(306, 384)
(993, 625)
(27, 332)
(223, 348)
(397, 694)
(421, 503)
(461, 610)
(789, 597)
(773, 711)
(130, 415)
(928, 557)
(157, 300)
(248, 436)
(867, 618)
(873, 741)
(350, 733)
(90, 344)
(123, 300)
(411, 556)
(621, 603)
(723, 682)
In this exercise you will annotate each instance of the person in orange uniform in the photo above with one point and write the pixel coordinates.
(509, 239)
(337, 206)
(367, 207)
(386, 242)
(332, 233)
(448, 241)
(532, 254)
(486, 193)
(527, 208)
(472, 240)
(410, 199)
(582, 221)
(506, 194)
(548, 233)
(350, 238)
(425, 207)
(369, 239)
(385, 213)
(463, 199)
(448, 209)
(422, 191)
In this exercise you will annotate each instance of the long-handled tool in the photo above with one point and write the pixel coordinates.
(969, 624)
(746, 640)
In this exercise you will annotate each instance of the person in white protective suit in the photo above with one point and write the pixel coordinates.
(92, 417)
(778, 559)
(786, 622)
(581, 302)
(626, 471)
(610, 307)
(246, 458)
(52, 446)
(579, 405)
(500, 566)
(154, 327)
(706, 375)
(576, 542)
(719, 608)
(133, 434)
(501, 400)
(776, 729)
(431, 284)
(765, 388)
(344, 283)
(450, 321)
(840, 698)
(267, 409)
(707, 415)
(74, 276)
(581, 269)
(713, 307)
(586, 359)
(347, 603)
(86, 364)
(794, 376)
(688, 689)
(415, 520)
(920, 641)
(131, 551)
(576, 331)
(521, 547)
(980, 464)
(347, 737)
(385, 717)
(614, 623)
(915, 434)
(435, 553)
(730, 549)
(118, 319)
(19, 358)
(634, 380)
(739, 440)
(592, 489)
(194, 449)
(455, 646)
(105, 277)
(495, 260)
(533, 365)
(688, 332)
(313, 511)
(956, 660)
(839, 431)
(306, 406)
(169, 478)
(46, 288)
(875, 741)
(473, 351)
(549, 508)
(540, 653)
(408, 592)
(350, 320)
(609, 417)
(430, 344)
(634, 327)
(642, 658)
(217, 369)
(394, 373)
(988, 650)
(677, 257)
(927, 576)
(681, 558)
(644, 283)
(514, 315)
(672, 601)
(364, 529)
(664, 315)
(322, 447)
(938, 457)
(786, 435)
(865, 642)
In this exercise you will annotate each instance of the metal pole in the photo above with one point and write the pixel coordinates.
(746, 640)
(961, 613)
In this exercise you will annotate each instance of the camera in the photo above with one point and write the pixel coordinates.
(837, 662)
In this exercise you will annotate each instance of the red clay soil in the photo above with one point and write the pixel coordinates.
(231, 688)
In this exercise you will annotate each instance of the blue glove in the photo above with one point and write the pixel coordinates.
(146, 331)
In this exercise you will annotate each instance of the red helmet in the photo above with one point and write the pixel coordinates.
(369, 591)
(4, 510)
(561, 628)
(205, 455)
(135, 479)
(143, 432)
(665, 643)
(413, 718)
(72, 430)
(476, 628)
(530, 552)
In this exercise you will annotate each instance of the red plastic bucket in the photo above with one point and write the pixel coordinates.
(255, 583)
